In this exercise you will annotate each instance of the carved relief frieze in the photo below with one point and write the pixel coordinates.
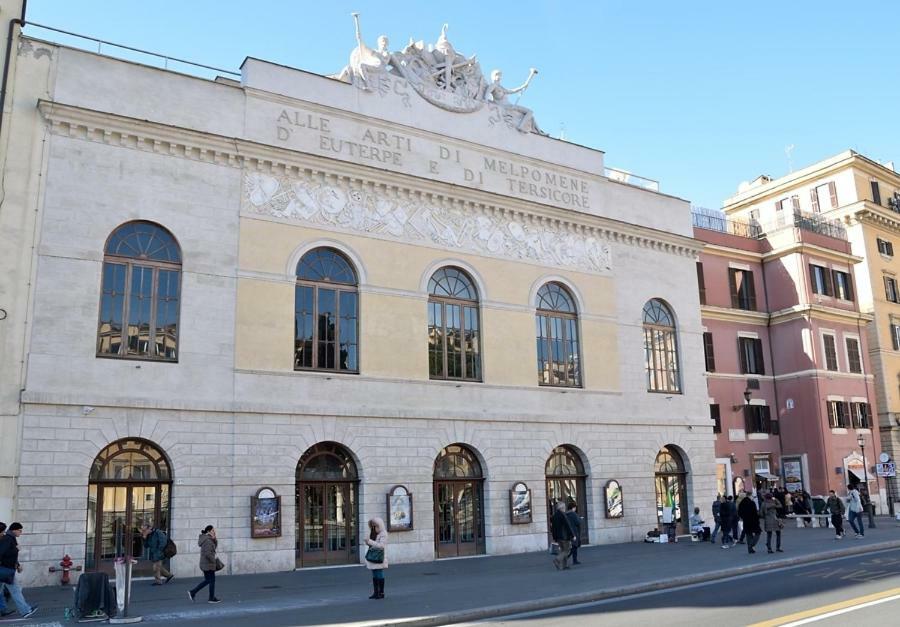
(371, 210)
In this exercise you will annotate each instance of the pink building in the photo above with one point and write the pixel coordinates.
(788, 375)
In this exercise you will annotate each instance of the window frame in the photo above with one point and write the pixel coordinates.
(701, 282)
(715, 414)
(838, 414)
(757, 419)
(758, 355)
(709, 352)
(544, 318)
(747, 294)
(832, 359)
(843, 288)
(653, 331)
(155, 266)
(820, 280)
(858, 410)
(463, 304)
(848, 354)
(876, 192)
(894, 327)
(885, 247)
(338, 288)
(891, 293)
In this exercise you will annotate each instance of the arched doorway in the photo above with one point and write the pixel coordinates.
(566, 481)
(458, 503)
(130, 484)
(671, 487)
(327, 496)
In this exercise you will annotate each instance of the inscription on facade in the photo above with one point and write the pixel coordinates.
(422, 157)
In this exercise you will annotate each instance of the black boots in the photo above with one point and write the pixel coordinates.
(377, 589)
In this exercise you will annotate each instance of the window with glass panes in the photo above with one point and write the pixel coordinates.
(326, 313)
(750, 353)
(743, 292)
(454, 340)
(838, 414)
(140, 294)
(820, 280)
(890, 289)
(831, 362)
(854, 361)
(860, 416)
(843, 285)
(660, 348)
(558, 350)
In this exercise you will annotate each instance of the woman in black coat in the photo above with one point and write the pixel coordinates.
(750, 516)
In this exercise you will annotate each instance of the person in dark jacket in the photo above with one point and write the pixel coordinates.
(562, 534)
(769, 513)
(574, 522)
(727, 514)
(9, 569)
(155, 542)
(208, 544)
(750, 517)
(716, 509)
(835, 507)
(6, 596)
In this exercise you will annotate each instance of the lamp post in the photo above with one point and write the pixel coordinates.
(862, 447)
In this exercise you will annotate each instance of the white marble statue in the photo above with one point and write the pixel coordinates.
(499, 95)
(364, 62)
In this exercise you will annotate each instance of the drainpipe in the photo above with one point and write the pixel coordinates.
(20, 21)
(772, 358)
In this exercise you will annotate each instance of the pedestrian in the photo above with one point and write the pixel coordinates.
(835, 506)
(716, 508)
(696, 523)
(574, 522)
(737, 534)
(769, 513)
(209, 563)
(854, 511)
(4, 591)
(376, 559)
(727, 513)
(9, 569)
(562, 534)
(749, 515)
(155, 542)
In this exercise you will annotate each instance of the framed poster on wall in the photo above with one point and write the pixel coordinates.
(792, 469)
(399, 509)
(520, 504)
(265, 514)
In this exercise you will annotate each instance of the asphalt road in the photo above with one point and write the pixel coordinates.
(862, 590)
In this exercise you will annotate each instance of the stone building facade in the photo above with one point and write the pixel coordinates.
(290, 282)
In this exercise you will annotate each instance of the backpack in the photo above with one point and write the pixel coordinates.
(170, 550)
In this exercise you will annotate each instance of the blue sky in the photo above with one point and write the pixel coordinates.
(698, 95)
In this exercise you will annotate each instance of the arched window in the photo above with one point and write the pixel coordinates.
(140, 296)
(660, 348)
(558, 356)
(454, 340)
(326, 313)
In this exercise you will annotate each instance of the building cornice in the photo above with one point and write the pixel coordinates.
(732, 253)
(121, 131)
(741, 316)
(811, 249)
(819, 312)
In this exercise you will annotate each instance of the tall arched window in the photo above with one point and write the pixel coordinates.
(326, 313)
(660, 348)
(140, 296)
(558, 356)
(454, 339)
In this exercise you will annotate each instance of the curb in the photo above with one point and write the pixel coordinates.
(495, 611)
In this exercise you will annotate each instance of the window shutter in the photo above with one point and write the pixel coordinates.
(815, 200)
(751, 290)
(829, 284)
(849, 280)
(766, 426)
(812, 278)
(887, 288)
(832, 191)
(832, 418)
(890, 248)
(701, 283)
(774, 427)
(846, 421)
(742, 354)
(876, 193)
(708, 352)
(748, 419)
(795, 202)
(894, 340)
(758, 350)
(732, 283)
(715, 415)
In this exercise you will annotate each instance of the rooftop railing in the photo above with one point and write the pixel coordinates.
(817, 224)
(713, 220)
(120, 51)
(628, 178)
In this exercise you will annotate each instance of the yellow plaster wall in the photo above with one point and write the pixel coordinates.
(393, 326)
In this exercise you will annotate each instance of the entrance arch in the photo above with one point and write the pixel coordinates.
(458, 503)
(671, 486)
(566, 481)
(130, 483)
(327, 494)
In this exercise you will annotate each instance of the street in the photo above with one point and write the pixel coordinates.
(861, 590)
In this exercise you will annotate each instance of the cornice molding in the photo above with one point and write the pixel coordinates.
(121, 131)
(741, 316)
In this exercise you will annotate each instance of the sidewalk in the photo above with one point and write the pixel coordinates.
(440, 592)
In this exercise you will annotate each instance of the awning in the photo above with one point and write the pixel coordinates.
(768, 477)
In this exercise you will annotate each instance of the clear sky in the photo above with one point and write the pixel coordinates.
(699, 95)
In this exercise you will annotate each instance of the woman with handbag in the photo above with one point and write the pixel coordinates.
(209, 563)
(769, 513)
(376, 560)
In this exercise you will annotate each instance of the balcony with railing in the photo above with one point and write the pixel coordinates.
(714, 220)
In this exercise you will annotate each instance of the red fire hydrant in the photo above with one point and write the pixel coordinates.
(66, 566)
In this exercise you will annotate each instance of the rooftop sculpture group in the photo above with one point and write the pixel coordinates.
(439, 74)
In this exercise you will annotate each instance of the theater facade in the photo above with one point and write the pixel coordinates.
(286, 303)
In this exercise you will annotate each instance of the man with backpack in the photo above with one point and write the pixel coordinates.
(159, 547)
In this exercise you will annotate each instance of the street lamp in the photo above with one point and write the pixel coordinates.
(747, 395)
(861, 440)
